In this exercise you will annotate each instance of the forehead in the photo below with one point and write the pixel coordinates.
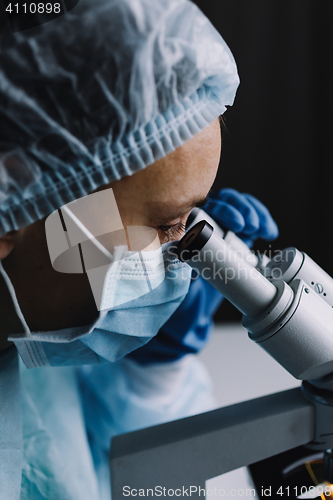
(186, 175)
(175, 181)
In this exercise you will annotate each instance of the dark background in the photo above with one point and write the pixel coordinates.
(279, 145)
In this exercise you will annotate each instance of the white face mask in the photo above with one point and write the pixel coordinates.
(135, 291)
(115, 333)
(130, 276)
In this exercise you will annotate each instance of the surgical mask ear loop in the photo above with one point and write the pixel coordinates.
(15, 301)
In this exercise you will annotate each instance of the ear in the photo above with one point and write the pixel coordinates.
(6, 246)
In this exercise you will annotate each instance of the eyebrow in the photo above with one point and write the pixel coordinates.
(200, 203)
(181, 210)
(191, 204)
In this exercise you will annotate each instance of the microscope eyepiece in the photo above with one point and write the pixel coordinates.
(191, 218)
(194, 240)
(225, 269)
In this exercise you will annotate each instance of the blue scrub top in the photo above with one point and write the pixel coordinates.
(56, 423)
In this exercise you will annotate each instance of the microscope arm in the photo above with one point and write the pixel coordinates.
(189, 451)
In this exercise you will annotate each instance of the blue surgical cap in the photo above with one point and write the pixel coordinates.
(100, 93)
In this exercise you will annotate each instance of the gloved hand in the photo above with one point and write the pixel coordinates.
(243, 214)
(190, 326)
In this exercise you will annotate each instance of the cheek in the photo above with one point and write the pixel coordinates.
(164, 238)
(130, 208)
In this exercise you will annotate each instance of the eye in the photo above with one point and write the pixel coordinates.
(174, 230)
(165, 229)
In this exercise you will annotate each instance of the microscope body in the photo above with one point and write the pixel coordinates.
(287, 302)
(297, 330)
(287, 307)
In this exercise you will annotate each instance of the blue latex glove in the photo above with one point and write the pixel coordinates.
(243, 214)
(189, 328)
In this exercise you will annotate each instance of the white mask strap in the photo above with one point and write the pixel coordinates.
(15, 301)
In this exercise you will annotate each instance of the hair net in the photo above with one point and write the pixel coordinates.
(101, 93)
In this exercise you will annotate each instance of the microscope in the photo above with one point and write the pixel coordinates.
(287, 307)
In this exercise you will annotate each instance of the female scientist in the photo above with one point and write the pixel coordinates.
(123, 95)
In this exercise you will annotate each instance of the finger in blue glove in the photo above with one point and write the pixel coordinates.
(268, 228)
(242, 214)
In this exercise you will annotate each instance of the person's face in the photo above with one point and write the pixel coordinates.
(160, 196)
(163, 195)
